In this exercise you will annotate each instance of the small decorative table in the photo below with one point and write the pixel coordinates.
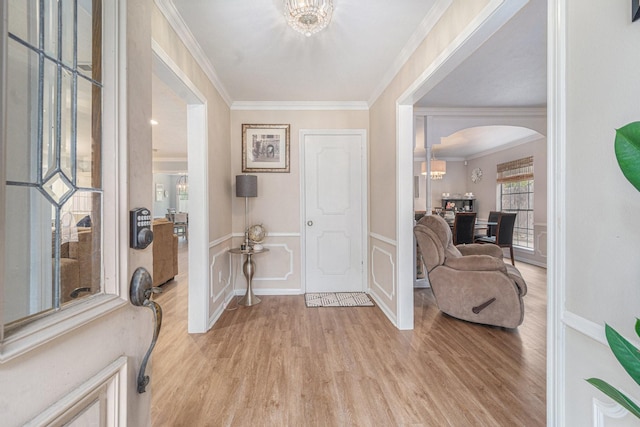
(248, 268)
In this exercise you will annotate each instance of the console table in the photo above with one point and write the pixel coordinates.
(248, 268)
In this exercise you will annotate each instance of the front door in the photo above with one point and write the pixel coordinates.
(71, 344)
(334, 190)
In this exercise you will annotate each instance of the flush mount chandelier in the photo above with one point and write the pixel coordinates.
(308, 16)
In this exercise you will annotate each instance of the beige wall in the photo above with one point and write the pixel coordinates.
(485, 190)
(383, 112)
(486, 195)
(601, 267)
(277, 206)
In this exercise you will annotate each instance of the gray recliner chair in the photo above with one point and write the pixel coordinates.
(470, 282)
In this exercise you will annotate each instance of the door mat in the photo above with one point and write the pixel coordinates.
(338, 299)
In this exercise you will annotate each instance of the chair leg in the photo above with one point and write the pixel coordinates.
(513, 262)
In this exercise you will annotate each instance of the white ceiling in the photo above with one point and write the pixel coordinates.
(508, 70)
(170, 111)
(256, 57)
(469, 142)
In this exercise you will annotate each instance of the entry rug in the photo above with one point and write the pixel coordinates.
(338, 299)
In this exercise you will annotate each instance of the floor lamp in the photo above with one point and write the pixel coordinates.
(246, 186)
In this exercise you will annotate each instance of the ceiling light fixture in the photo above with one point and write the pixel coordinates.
(438, 168)
(308, 16)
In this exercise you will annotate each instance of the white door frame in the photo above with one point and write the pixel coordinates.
(364, 200)
(197, 155)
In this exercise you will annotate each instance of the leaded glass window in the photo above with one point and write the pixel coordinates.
(53, 147)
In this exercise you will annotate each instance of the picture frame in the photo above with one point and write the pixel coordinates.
(160, 192)
(265, 148)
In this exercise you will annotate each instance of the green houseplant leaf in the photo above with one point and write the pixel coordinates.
(626, 353)
(617, 396)
(629, 357)
(627, 148)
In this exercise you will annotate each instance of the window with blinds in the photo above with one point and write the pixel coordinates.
(515, 181)
(515, 170)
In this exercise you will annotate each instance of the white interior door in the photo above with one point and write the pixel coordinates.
(333, 197)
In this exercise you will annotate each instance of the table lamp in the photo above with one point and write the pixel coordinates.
(246, 186)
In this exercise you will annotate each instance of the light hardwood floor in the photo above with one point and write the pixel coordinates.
(281, 364)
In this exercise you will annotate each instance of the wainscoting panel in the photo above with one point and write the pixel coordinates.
(220, 275)
(383, 272)
(540, 242)
(609, 414)
(537, 255)
(383, 276)
(281, 268)
(219, 272)
(277, 271)
(97, 402)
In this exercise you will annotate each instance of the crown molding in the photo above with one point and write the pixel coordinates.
(482, 112)
(170, 159)
(418, 36)
(168, 9)
(299, 105)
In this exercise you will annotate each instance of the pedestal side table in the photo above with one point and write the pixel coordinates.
(248, 268)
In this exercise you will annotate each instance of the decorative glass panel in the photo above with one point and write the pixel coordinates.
(67, 33)
(51, 27)
(54, 135)
(58, 188)
(88, 134)
(67, 122)
(50, 129)
(29, 252)
(92, 36)
(23, 20)
(22, 116)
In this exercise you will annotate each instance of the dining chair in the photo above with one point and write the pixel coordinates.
(463, 227)
(491, 229)
(504, 233)
(181, 225)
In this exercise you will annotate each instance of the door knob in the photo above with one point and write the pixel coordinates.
(309, 223)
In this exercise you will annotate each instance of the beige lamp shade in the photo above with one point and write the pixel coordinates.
(438, 168)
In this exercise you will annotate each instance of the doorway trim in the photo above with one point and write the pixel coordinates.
(364, 162)
(197, 157)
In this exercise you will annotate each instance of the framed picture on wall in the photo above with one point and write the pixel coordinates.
(159, 192)
(265, 148)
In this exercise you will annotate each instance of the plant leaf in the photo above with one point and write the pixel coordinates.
(625, 352)
(638, 327)
(617, 396)
(627, 148)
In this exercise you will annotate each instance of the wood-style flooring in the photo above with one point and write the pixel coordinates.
(281, 364)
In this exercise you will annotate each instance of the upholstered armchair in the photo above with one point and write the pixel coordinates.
(76, 266)
(470, 282)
